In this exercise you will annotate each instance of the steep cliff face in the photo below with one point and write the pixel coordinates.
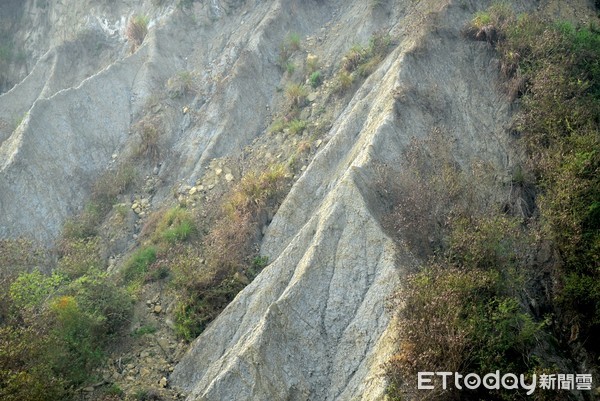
(313, 324)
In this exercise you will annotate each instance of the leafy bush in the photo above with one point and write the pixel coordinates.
(32, 290)
(558, 66)
(25, 373)
(56, 332)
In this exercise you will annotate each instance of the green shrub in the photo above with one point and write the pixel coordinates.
(98, 295)
(177, 225)
(315, 79)
(142, 331)
(32, 290)
(193, 314)
(207, 286)
(138, 263)
(277, 126)
(296, 127)
(459, 320)
(290, 68)
(558, 119)
(25, 372)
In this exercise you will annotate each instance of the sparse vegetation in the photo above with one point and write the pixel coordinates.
(312, 63)
(138, 263)
(315, 79)
(293, 41)
(287, 48)
(150, 130)
(296, 127)
(296, 95)
(230, 255)
(361, 61)
(181, 85)
(105, 193)
(136, 31)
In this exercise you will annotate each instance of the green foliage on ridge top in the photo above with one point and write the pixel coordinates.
(468, 302)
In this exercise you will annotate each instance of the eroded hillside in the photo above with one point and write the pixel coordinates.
(325, 97)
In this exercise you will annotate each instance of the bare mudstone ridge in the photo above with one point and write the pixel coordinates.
(312, 325)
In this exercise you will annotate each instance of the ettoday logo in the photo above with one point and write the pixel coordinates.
(507, 381)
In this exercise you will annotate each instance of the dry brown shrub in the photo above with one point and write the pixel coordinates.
(429, 323)
(232, 240)
(149, 129)
(136, 31)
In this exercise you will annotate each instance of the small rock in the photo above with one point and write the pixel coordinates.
(89, 389)
(157, 309)
(192, 191)
(137, 210)
(142, 214)
(135, 205)
(229, 177)
(318, 142)
(148, 302)
(163, 382)
(312, 97)
(200, 187)
(144, 372)
(218, 171)
(211, 186)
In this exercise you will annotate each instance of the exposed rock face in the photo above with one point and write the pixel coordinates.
(312, 325)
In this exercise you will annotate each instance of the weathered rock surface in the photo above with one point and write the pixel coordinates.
(312, 325)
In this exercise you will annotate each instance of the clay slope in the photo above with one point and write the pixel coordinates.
(313, 324)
